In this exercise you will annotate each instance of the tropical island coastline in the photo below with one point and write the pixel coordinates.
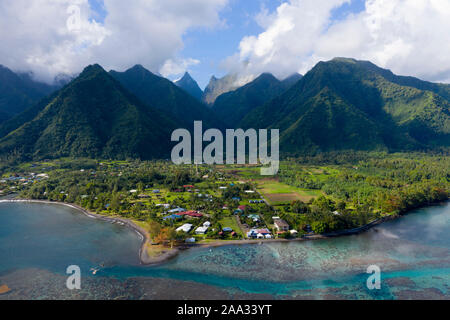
(165, 256)
(175, 208)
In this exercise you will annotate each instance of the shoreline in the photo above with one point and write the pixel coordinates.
(146, 260)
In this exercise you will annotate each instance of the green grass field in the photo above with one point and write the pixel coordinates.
(280, 193)
(230, 222)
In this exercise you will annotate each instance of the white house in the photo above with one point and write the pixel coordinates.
(201, 230)
(207, 224)
(190, 240)
(185, 228)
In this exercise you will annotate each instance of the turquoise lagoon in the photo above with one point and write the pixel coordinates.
(38, 242)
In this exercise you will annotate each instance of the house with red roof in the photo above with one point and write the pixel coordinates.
(193, 214)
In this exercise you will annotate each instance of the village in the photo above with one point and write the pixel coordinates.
(181, 205)
(239, 218)
(215, 208)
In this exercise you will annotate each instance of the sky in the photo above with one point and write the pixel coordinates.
(216, 37)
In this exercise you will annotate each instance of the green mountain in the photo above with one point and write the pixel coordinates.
(188, 84)
(291, 80)
(233, 106)
(93, 116)
(18, 92)
(349, 104)
(160, 93)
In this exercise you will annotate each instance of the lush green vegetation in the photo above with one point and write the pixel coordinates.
(233, 106)
(360, 190)
(346, 104)
(322, 194)
(19, 92)
(162, 94)
(93, 116)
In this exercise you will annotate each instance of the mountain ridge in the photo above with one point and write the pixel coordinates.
(188, 84)
(93, 116)
(18, 91)
(406, 117)
(163, 94)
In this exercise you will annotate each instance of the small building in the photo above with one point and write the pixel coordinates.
(227, 230)
(185, 228)
(201, 230)
(207, 224)
(133, 191)
(254, 217)
(294, 233)
(249, 191)
(156, 191)
(281, 225)
(143, 196)
(177, 210)
(242, 208)
(172, 217)
(190, 240)
(192, 214)
(254, 233)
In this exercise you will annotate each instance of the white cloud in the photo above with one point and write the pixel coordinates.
(36, 36)
(410, 37)
(177, 66)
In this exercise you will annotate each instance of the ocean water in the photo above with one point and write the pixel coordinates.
(38, 242)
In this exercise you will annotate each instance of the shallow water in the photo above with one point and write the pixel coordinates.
(38, 242)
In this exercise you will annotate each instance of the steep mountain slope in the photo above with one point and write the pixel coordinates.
(188, 84)
(93, 116)
(291, 80)
(348, 104)
(217, 87)
(4, 116)
(18, 92)
(233, 106)
(162, 94)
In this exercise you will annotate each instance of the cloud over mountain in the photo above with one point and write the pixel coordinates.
(409, 37)
(51, 37)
